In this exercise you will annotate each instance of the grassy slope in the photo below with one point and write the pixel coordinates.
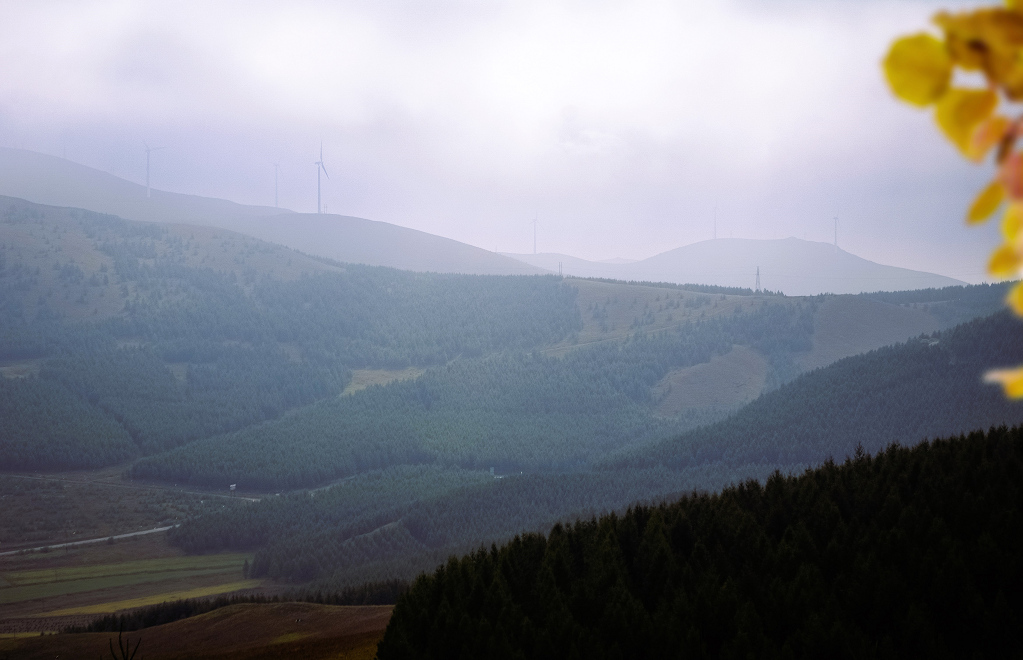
(844, 325)
(903, 393)
(363, 378)
(727, 381)
(849, 325)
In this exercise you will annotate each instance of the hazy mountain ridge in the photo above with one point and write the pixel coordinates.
(57, 182)
(792, 266)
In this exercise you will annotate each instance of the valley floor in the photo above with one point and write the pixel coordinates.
(237, 632)
(48, 591)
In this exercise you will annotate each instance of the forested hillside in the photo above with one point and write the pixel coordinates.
(952, 304)
(928, 387)
(401, 521)
(515, 411)
(132, 338)
(122, 340)
(912, 552)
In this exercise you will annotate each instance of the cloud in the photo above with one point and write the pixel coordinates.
(624, 124)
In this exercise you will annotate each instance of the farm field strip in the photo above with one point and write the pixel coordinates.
(115, 606)
(63, 574)
(48, 590)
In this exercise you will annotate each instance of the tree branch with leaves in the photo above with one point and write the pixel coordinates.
(921, 70)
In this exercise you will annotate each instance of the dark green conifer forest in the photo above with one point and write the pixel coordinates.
(912, 552)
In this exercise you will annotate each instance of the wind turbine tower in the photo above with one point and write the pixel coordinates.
(535, 222)
(319, 167)
(836, 233)
(148, 150)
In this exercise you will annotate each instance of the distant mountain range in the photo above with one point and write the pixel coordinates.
(57, 182)
(793, 266)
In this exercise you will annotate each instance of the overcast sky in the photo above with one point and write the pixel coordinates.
(624, 126)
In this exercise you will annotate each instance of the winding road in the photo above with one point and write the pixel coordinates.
(55, 546)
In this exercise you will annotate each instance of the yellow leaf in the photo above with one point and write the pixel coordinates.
(963, 39)
(1012, 222)
(986, 135)
(1005, 262)
(987, 202)
(985, 39)
(1015, 299)
(1011, 381)
(1011, 175)
(918, 69)
(960, 111)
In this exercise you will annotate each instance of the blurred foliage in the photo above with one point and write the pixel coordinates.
(921, 69)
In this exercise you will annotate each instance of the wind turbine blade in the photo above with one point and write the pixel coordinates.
(324, 169)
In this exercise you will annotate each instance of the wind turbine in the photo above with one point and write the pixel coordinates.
(319, 166)
(147, 165)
